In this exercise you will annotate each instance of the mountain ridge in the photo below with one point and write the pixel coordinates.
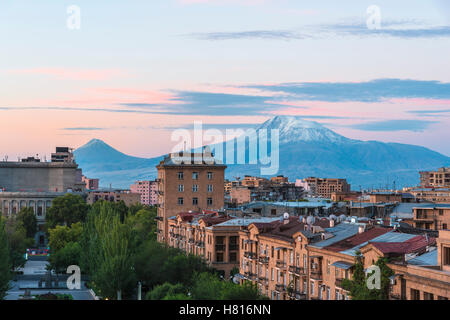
(306, 148)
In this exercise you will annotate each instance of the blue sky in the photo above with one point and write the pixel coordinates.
(136, 69)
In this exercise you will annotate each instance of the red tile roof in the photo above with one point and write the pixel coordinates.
(357, 239)
(416, 244)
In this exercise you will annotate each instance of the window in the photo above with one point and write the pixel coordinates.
(219, 257)
(328, 293)
(194, 175)
(180, 188)
(180, 175)
(194, 201)
(271, 270)
(209, 201)
(210, 175)
(195, 188)
(428, 296)
(210, 188)
(312, 288)
(180, 201)
(273, 212)
(233, 257)
(415, 294)
(446, 255)
(441, 212)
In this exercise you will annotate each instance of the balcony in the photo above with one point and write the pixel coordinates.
(250, 255)
(393, 296)
(296, 270)
(264, 281)
(338, 283)
(250, 275)
(280, 288)
(316, 274)
(281, 264)
(263, 260)
(200, 244)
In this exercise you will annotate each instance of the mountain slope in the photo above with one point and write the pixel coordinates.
(306, 149)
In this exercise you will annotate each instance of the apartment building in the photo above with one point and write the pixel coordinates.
(91, 184)
(435, 179)
(309, 259)
(279, 180)
(128, 197)
(250, 181)
(324, 187)
(432, 216)
(148, 191)
(188, 182)
(438, 195)
(211, 235)
(421, 266)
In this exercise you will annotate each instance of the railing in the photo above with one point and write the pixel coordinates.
(200, 244)
(250, 255)
(338, 282)
(263, 260)
(297, 295)
(281, 264)
(393, 296)
(264, 281)
(280, 287)
(296, 270)
(316, 274)
(250, 275)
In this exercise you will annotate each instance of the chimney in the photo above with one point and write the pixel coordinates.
(361, 229)
(331, 223)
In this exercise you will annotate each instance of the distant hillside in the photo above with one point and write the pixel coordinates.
(306, 149)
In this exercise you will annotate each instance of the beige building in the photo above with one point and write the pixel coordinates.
(432, 216)
(128, 197)
(188, 182)
(324, 187)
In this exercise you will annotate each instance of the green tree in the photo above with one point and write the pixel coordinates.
(66, 256)
(17, 240)
(358, 285)
(66, 210)
(29, 221)
(166, 290)
(5, 265)
(111, 267)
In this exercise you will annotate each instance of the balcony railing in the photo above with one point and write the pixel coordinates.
(250, 255)
(316, 274)
(250, 275)
(296, 270)
(338, 282)
(280, 287)
(263, 260)
(281, 264)
(200, 244)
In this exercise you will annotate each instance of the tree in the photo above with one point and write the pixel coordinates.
(29, 221)
(108, 247)
(66, 210)
(358, 285)
(17, 240)
(5, 265)
(166, 290)
(66, 256)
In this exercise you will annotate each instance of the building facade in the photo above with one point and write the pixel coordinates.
(435, 179)
(148, 191)
(324, 187)
(188, 182)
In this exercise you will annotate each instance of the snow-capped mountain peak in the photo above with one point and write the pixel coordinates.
(295, 128)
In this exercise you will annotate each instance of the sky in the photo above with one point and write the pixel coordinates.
(130, 72)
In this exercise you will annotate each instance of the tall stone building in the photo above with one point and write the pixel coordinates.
(188, 182)
(34, 184)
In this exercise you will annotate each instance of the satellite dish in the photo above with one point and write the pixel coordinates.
(332, 216)
(286, 216)
(310, 220)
